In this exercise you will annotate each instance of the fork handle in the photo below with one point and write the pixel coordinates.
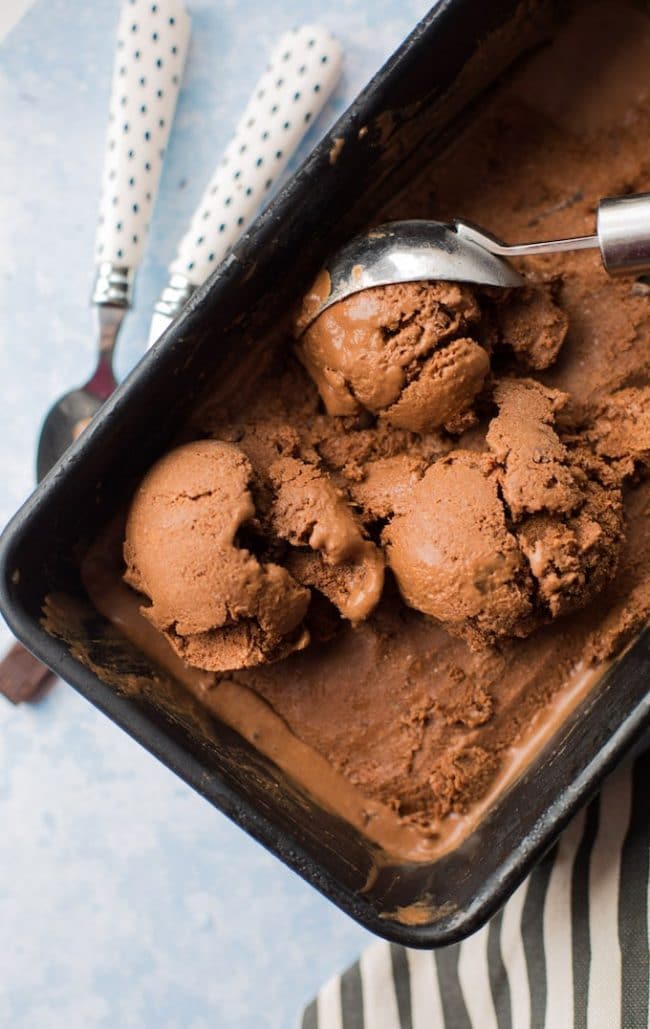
(152, 44)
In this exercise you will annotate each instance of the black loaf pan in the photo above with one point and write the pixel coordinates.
(417, 100)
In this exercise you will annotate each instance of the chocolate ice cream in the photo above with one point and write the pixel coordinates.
(190, 535)
(524, 534)
(215, 602)
(492, 544)
(621, 430)
(307, 509)
(532, 324)
(406, 352)
(453, 555)
(417, 353)
(565, 503)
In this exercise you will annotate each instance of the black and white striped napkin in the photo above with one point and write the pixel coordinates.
(570, 949)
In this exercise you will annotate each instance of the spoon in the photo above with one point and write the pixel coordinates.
(413, 251)
(70, 415)
(152, 44)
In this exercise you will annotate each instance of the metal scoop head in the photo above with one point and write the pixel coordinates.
(409, 251)
(413, 251)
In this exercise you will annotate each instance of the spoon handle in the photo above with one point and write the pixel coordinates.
(303, 70)
(152, 43)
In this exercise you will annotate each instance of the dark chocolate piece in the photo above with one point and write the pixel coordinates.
(23, 678)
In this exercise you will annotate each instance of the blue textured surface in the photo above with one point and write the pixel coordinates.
(125, 899)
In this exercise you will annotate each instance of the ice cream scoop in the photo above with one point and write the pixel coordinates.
(405, 352)
(228, 579)
(493, 544)
(454, 556)
(218, 604)
(416, 251)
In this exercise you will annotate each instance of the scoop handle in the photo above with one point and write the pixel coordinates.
(622, 236)
(303, 70)
(152, 44)
(623, 228)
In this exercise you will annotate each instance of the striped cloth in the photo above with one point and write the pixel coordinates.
(569, 949)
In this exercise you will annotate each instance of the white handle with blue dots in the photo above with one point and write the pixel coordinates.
(152, 43)
(302, 73)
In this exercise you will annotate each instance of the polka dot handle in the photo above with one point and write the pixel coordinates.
(303, 70)
(152, 42)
